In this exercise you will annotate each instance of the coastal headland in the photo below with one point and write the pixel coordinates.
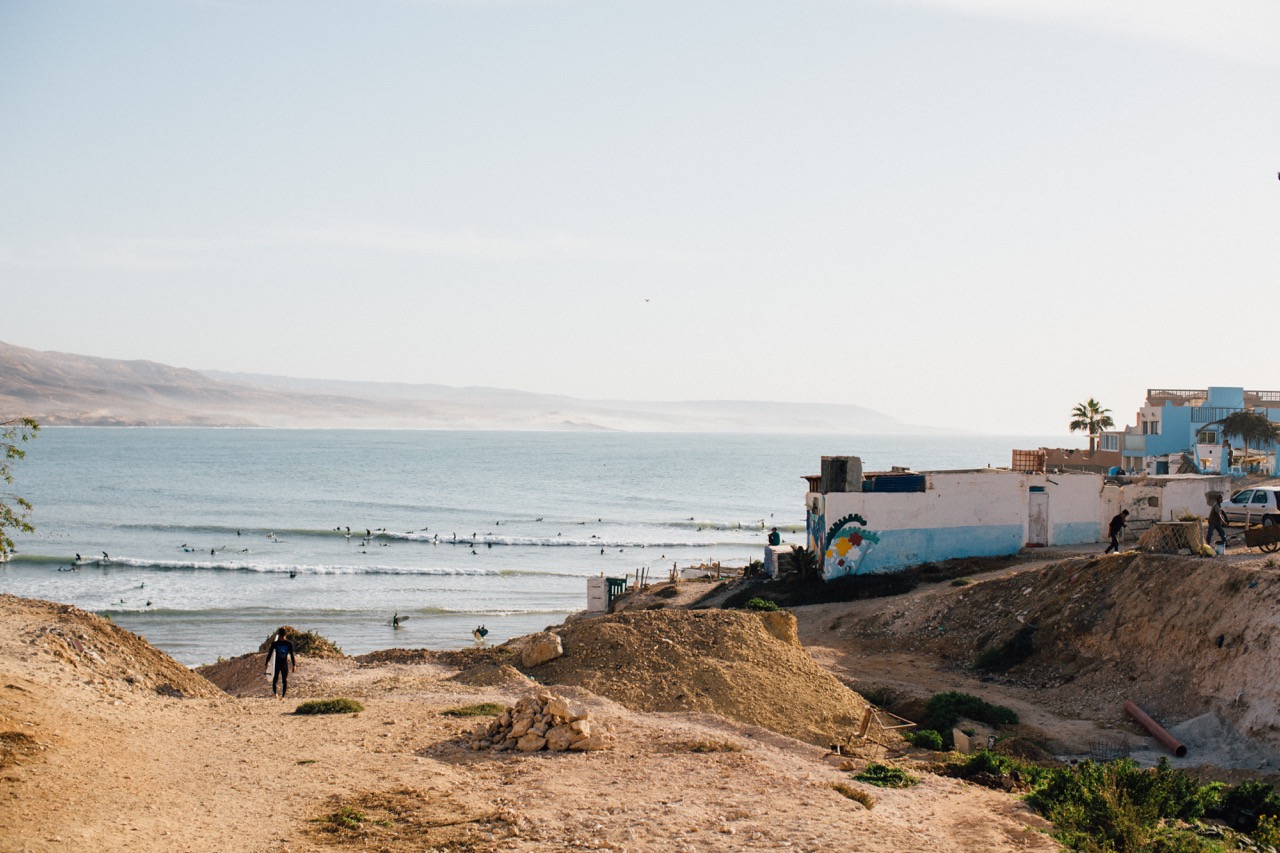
(720, 723)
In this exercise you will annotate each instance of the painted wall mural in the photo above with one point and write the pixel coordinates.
(847, 544)
(817, 526)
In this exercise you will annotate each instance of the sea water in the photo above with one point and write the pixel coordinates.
(215, 537)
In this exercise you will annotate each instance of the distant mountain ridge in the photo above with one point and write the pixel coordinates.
(65, 389)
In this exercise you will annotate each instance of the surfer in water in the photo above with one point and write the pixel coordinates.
(283, 651)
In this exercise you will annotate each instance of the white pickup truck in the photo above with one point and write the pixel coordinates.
(1253, 506)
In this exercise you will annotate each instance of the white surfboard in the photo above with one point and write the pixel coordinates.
(271, 665)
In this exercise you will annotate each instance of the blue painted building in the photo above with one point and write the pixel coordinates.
(1176, 430)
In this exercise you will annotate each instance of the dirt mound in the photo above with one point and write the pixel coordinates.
(493, 675)
(239, 676)
(744, 666)
(396, 656)
(94, 649)
(1180, 636)
(307, 643)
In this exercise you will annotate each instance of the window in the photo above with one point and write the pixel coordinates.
(1242, 498)
(1260, 496)
(1109, 442)
(1207, 436)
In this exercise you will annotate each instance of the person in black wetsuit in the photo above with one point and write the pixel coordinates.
(1113, 530)
(283, 650)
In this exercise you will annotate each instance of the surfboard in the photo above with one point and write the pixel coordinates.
(271, 665)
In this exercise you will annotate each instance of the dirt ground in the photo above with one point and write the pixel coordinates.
(721, 721)
(110, 763)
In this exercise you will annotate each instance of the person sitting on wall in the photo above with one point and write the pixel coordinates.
(775, 538)
(1117, 524)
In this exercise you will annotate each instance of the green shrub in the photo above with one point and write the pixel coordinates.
(345, 817)
(961, 582)
(945, 709)
(761, 604)
(1243, 805)
(985, 765)
(484, 709)
(329, 706)
(1268, 831)
(884, 776)
(1120, 806)
(926, 739)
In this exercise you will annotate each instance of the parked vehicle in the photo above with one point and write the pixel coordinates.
(1253, 506)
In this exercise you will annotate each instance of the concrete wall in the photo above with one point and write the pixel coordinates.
(960, 514)
(1174, 495)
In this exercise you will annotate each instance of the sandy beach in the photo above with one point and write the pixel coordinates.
(715, 724)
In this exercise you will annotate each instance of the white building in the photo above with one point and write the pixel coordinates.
(886, 522)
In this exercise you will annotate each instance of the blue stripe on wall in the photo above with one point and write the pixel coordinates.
(1077, 533)
(898, 549)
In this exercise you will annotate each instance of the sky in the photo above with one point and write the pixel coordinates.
(962, 213)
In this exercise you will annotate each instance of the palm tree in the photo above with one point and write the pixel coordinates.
(1091, 417)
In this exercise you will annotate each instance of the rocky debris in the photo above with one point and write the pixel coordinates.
(540, 648)
(543, 721)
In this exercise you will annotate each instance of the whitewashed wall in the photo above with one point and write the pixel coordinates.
(960, 514)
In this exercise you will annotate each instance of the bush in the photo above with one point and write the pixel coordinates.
(996, 770)
(1120, 806)
(945, 709)
(329, 706)
(884, 776)
(761, 604)
(307, 643)
(1243, 805)
(484, 709)
(926, 739)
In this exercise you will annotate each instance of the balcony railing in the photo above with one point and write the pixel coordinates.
(1209, 414)
(1179, 397)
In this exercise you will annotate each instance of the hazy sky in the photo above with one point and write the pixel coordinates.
(966, 213)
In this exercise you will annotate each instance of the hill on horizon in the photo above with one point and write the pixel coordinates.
(63, 389)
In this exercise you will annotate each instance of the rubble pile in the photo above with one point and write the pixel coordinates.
(542, 721)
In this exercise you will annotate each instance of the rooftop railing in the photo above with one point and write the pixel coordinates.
(1158, 396)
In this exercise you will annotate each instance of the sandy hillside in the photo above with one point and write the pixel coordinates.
(106, 744)
(1186, 638)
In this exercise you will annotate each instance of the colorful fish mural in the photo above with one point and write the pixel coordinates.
(847, 544)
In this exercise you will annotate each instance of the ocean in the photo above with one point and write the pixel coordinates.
(215, 537)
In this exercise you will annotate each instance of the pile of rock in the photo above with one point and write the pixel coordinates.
(542, 721)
